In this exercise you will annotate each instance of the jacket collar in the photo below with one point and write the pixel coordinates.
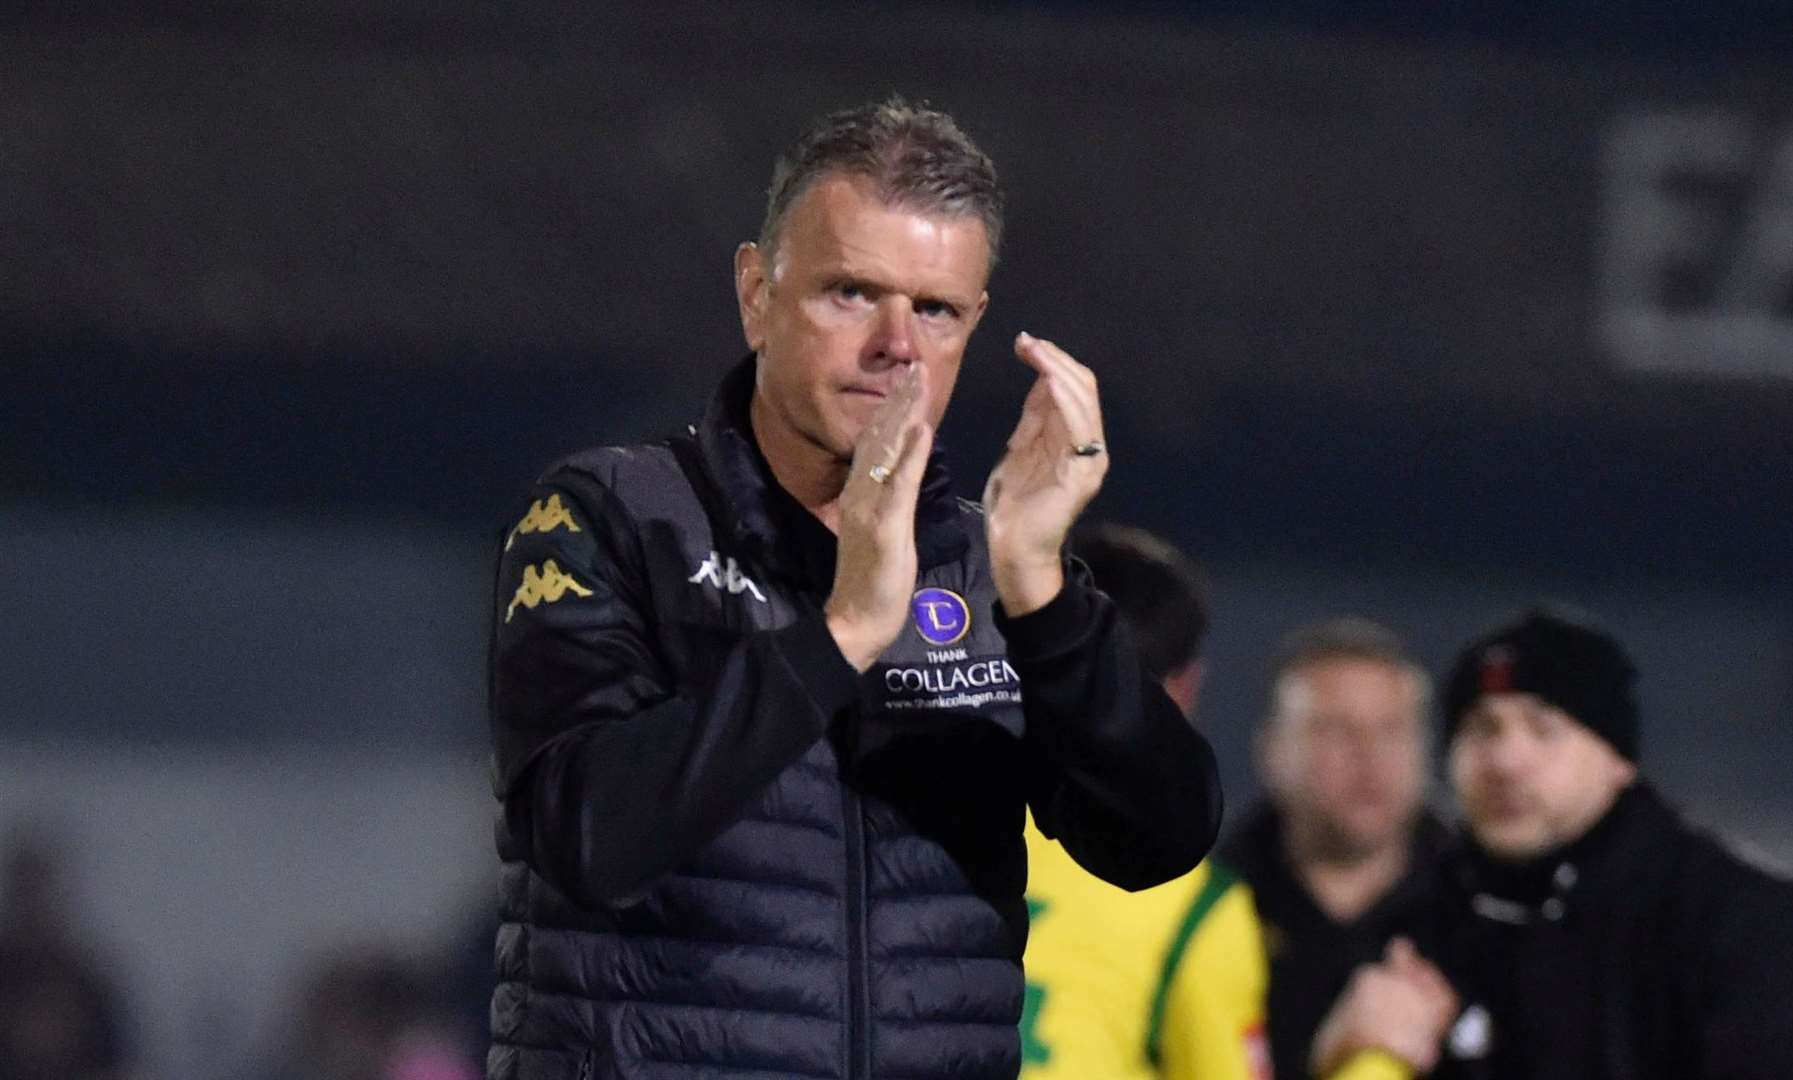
(1542, 887)
(765, 521)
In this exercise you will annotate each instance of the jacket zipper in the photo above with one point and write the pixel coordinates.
(859, 1041)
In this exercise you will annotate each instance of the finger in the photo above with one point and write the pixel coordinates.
(1432, 979)
(1027, 349)
(1057, 442)
(1404, 958)
(1063, 363)
(1082, 423)
(911, 390)
(911, 465)
(1073, 386)
(1364, 973)
(882, 438)
(1421, 968)
(1400, 952)
(1033, 415)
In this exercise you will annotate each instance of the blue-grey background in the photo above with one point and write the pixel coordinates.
(1413, 313)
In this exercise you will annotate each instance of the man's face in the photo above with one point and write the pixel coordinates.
(856, 291)
(1345, 754)
(1530, 777)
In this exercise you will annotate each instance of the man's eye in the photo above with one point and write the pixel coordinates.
(936, 309)
(849, 290)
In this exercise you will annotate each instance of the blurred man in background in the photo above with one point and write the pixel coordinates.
(1168, 982)
(1591, 933)
(1342, 854)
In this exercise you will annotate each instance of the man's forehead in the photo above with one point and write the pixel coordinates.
(1516, 704)
(1335, 674)
(841, 222)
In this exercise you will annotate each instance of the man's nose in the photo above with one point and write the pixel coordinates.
(1508, 753)
(893, 338)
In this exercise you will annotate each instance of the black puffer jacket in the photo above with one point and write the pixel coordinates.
(726, 854)
(1642, 951)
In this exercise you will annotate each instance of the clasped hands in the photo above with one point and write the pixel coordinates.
(1401, 1005)
(1053, 466)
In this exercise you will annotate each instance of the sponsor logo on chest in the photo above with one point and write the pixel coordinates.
(951, 678)
(947, 679)
(941, 616)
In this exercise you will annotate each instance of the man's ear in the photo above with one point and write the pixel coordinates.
(750, 293)
(983, 304)
(1184, 686)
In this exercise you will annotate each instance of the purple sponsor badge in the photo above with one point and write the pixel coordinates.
(941, 615)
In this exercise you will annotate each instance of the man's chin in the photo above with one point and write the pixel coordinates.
(1351, 848)
(834, 440)
(1512, 841)
(1364, 839)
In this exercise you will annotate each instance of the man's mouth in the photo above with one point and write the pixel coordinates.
(1507, 805)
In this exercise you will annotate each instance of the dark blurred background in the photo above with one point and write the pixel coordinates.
(1415, 311)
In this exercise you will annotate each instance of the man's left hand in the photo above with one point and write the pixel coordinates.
(1054, 466)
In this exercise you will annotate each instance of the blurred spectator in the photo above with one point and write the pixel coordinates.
(1167, 983)
(1341, 856)
(1591, 932)
(367, 1015)
(60, 1017)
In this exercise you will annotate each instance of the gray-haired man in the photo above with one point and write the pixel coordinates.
(769, 702)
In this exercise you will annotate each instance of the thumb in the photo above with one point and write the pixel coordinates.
(1401, 955)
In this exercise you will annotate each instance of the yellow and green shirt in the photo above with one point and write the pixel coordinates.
(1164, 983)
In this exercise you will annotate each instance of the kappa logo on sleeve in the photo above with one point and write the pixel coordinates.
(545, 515)
(727, 576)
(544, 586)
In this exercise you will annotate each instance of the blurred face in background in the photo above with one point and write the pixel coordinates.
(1530, 777)
(1344, 756)
(856, 291)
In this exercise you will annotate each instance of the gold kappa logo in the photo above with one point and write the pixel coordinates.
(545, 515)
(544, 587)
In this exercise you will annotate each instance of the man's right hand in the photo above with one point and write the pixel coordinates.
(1402, 1006)
(875, 567)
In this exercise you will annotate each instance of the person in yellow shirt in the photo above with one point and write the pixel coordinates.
(1168, 983)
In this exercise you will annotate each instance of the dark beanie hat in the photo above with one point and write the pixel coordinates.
(1560, 658)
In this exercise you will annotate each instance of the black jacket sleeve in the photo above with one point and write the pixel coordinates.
(609, 772)
(1116, 773)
